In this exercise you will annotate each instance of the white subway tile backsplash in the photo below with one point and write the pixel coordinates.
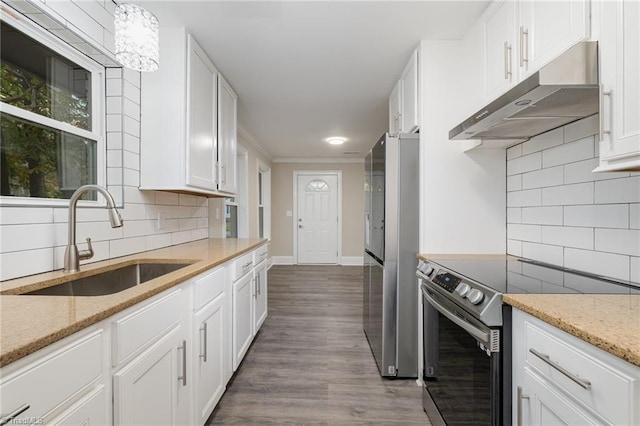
(532, 197)
(514, 183)
(114, 87)
(131, 177)
(622, 241)
(514, 152)
(167, 198)
(199, 234)
(96, 11)
(125, 246)
(114, 73)
(131, 160)
(186, 224)
(543, 141)
(114, 140)
(542, 215)
(523, 164)
(634, 216)
(625, 190)
(138, 228)
(20, 263)
(568, 236)
(523, 283)
(131, 109)
(514, 215)
(571, 152)
(580, 171)
(543, 178)
(548, 275)
(607, 264)
(131, 92)
(26, 237)
(581, 193)
(597, 216)
(131, 126)
(25, 215)
(180, 237)
(114, 105)
(635, 270)
(543, 253)
(525, 232)
(114, 122)
(114, 158)
(132, 77)
(589, 285)
(581, 129)
(131, 143)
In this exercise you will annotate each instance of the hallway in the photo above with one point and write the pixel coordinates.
(311, 363)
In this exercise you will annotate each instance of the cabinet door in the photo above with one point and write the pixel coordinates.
(151, 390)
(410, 95)
(619, 48)
(260, 296)
(395, 106)
(227, 135)
(544, 405)
(499, 48)
(210, 355)
(201, 118)
(548, 28)
(242, 324)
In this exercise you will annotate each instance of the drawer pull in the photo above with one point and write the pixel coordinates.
(183, 348)
(585, 384)
(10, 417)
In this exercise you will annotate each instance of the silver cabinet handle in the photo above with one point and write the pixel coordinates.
(585, 384)
(255, 288)
(11, 416)
(203, 329)
(506, 60)
(400, 121)
(224, 174)
(520, 397)
(259, 283)
(524, 46)
(183, 347)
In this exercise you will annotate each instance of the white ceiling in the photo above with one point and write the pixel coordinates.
(305, 71)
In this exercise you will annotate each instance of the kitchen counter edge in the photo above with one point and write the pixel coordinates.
(22, 333)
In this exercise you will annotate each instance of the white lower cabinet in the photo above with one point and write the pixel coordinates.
(210, 354)
(559, 379)
(152, 389)
(74, 366)
(164, 361)
(242, 318)
(259, 296)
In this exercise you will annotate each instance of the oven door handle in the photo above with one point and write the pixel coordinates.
(479, 334)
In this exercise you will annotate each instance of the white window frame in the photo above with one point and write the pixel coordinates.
(265, 171)
(242, 196)
(98, 100)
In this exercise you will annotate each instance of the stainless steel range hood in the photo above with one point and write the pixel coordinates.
(563, 91)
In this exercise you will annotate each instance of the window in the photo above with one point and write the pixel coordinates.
(50, 116)
(231, 218)
(317, 185)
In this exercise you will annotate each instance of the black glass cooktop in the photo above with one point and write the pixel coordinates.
(518, 275)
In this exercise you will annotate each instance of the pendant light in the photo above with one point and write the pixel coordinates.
(137, 39)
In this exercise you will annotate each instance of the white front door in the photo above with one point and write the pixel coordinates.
(317, 221)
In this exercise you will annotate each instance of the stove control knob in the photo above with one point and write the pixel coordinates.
(463, 289)
(475, 296)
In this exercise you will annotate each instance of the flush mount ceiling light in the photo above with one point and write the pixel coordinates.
(336, 140)
(136, 38)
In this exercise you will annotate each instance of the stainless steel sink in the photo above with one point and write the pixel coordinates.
(110, 282)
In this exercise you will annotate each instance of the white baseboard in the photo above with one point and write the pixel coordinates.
(282, 260)
(352, 261)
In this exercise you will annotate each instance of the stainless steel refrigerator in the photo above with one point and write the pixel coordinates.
(390, 305)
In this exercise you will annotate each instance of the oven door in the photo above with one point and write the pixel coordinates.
(465, 387)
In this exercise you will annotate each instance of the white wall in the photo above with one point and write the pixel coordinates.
(462, 195)
(32, 239)
(560, 212)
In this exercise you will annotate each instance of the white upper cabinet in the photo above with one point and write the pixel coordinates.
(619, 49)
(188, 122)
(548, 28)
(202, 108)
(522, 36)
(499, 39)
(404, 111)
(227, 135)
(395, 108)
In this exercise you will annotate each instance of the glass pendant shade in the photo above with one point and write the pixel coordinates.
(137, 40)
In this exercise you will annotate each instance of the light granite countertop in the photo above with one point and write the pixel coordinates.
(29, 323)
(609, 321)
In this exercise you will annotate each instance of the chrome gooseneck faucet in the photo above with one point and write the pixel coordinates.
(72, 255)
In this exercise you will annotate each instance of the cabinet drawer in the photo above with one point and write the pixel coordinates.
(70, 370)
(143, 326)
(207, 287)
(241, 266)
(566, 360)
(260, 254)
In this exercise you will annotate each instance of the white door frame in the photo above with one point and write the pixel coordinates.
(297, 173)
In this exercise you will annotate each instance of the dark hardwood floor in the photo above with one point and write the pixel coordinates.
(311, 364)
